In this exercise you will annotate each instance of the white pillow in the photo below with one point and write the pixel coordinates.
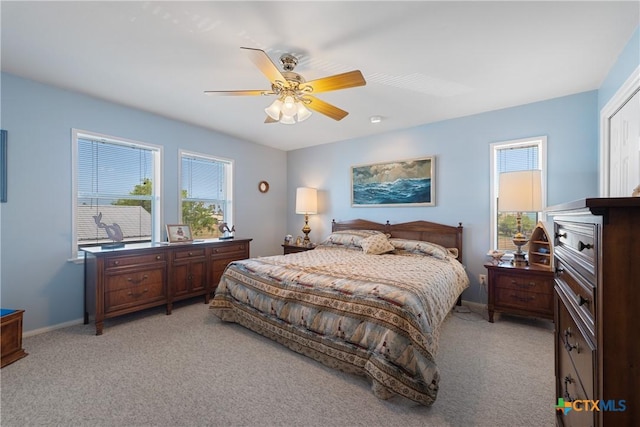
(376, 245)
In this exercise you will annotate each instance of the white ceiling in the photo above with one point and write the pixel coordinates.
(423, 61)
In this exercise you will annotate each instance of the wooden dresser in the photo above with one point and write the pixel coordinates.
(597, 311)
(140, 276)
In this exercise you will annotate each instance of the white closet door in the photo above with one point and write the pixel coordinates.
(624, 149)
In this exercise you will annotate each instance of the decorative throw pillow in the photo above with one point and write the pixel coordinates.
(349, 238)
(376, 245)
(419, 247)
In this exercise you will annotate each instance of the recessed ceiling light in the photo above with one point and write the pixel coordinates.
(375, 119)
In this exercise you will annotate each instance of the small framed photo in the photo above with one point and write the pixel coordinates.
(179, 233)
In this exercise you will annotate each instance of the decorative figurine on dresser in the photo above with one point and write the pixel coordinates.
(597, 311)
(525, 290)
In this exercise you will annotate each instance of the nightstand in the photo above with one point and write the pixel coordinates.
(292, 249)
(526, 291)
(11, 327)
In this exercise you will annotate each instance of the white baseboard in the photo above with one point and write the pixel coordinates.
(52, 328)
(475, 306)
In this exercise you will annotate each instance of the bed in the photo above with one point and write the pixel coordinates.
(368, 300)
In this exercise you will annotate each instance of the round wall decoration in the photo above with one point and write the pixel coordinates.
(263, 186)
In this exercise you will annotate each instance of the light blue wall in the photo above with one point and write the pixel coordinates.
(462, 150)
(36, 221)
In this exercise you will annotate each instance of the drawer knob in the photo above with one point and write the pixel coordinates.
(190, 253)
(116, 262)
(559, 235)
(158, 257)
(582, 246)
(582, 300)
(559, 271)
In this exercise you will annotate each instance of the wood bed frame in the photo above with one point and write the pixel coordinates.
(443, 235)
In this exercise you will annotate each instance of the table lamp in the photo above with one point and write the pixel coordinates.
(520, 192)
(306, 203)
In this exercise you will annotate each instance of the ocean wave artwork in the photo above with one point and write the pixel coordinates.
(400, 191)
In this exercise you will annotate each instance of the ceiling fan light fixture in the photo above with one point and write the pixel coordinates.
(287, 120)
(303, 112)
(289, 107)
(274, 109)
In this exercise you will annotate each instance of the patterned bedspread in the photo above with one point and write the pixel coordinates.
(373, 315)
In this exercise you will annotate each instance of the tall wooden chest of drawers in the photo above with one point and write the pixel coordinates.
(597, 311)
(144, 275)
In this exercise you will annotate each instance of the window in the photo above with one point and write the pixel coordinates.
(116, 187)
(512, 156)
(205, 193)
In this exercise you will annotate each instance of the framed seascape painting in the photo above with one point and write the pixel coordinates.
(397, 183)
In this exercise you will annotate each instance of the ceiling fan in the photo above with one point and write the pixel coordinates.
(295, 95)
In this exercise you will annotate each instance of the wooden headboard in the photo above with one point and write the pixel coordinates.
(444, 235)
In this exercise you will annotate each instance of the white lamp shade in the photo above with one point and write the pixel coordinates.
(306, 200)
(303, 112)
(287, 120)
(274, 109)
(520, 191)
(289, 106)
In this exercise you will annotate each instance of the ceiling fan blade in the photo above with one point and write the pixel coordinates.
(269, 119)
(237, 92)
(325, 108)
(338, 81)
(264, 63)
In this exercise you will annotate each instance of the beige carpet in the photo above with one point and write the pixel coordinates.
(190, 369)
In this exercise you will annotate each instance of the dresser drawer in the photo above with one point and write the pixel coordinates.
(189, 253)
(569, 388)
(579, 291)
(522, 300)
(573, 342)
(125, 261)
(134, 296)
(132, 278)
(239, 249)
(576, 243)
(530, 283)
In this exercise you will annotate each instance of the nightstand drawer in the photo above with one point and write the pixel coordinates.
(292, 249)
(529, 283)
(522, 300)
